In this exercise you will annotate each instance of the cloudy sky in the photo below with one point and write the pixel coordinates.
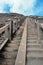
(26, 7)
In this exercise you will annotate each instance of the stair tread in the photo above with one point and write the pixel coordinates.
(31, 40)
(34, 54)
(35, 49)
(10, 55)
(13, 44)
(34, 44)
(11, 49)
(7, 62)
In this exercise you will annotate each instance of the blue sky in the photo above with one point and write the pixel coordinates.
(26, 7)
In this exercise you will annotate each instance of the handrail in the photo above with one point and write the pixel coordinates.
(4, 28)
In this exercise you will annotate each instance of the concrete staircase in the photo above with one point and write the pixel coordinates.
(34, 49)
(9, 53)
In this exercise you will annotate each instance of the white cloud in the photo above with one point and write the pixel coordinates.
(27, 4)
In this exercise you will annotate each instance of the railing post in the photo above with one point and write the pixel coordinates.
(7, 33)
(38, 30)
(10, 29)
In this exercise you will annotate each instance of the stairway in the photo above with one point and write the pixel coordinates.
(34, 49)
(9, 53)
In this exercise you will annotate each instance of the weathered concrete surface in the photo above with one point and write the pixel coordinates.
(21, 56)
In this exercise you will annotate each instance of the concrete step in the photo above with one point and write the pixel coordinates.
(32, 38)
(34, 61)
(35, 49)
(32, 34)
(12, 45)
(9, 55)
(11, 49)
(15, 41)
(31, 41)
(35, 55)
(34, 45)
(7, 62)
(32, 29)
(17, 38)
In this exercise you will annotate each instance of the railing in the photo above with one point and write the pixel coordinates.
(4, 29)
(8, 32)
(39, 24)
(9, 28)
